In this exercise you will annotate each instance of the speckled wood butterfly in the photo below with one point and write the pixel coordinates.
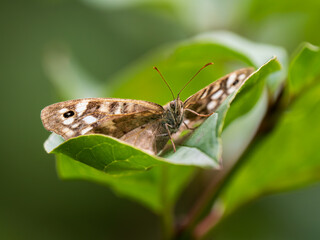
(143, 124)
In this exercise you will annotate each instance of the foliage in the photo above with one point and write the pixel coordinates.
(269, 163)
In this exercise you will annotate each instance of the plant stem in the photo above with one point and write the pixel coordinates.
(203, 205)
(167, 215)
(202, 218)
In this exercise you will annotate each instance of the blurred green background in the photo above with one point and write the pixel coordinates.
(104, 36)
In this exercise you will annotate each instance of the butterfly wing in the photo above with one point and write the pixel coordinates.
(151, 137)
(207, 100)
(133, 121)
(109, 116)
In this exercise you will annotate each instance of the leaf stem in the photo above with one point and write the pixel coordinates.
(203, 205)
(167, 215)
(202, 218)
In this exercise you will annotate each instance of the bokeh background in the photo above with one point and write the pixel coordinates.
(104, 36)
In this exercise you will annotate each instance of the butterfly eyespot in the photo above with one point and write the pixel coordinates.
(68, 114)
(235, 82)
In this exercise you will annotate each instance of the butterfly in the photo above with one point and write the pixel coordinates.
(145, 125)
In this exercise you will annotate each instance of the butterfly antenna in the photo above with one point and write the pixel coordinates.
(164, 81)
(194, 76)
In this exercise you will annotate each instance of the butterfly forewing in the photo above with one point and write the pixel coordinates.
(110, 116)
(207, 100)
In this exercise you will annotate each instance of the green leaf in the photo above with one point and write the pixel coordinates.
(252, 91)
(115, 157)
(131, 179)
(127, 170)
(201, 147)
(107, 154)
(251, 105)
(144, 187)
(304, 68)
(288, 157)
(239, 134)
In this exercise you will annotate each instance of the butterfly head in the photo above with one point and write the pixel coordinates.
(176, 106)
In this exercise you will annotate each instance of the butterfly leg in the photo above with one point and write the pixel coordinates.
(162, 135)
(198, 114)
(189, 128)
(173, 145)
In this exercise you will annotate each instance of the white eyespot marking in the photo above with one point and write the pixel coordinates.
(89, 119)
(104, 107)
(118, 110)
(69, 133)
(63, 110)
(87, 129)
(65, 130)
(241, 77)
(75, 125)
(231, 90)
(81, 107)
(217, 94)
(211, 105)
(231, 79)
(68, 121)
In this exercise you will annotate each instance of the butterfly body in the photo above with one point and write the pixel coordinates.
(143, 124)
(173, 115)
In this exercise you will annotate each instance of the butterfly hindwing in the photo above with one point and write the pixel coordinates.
(110, 116)
(150, 137)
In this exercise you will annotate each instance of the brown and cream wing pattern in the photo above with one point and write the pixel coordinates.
(151, 137)
(208, 99)
(111, 116)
